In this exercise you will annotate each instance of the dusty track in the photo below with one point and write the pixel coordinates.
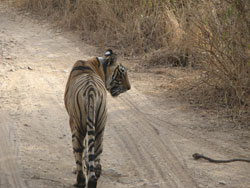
(148, 141)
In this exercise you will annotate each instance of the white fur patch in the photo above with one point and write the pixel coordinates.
(101, 59)
(108, 53)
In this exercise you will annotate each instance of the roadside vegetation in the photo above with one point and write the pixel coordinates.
(212, 36)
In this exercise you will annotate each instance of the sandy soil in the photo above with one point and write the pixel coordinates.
(149, 138)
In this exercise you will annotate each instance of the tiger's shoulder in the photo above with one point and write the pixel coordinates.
(91, 66)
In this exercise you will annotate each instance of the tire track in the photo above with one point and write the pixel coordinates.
(164, 147)
(143, 139)
(174, 128)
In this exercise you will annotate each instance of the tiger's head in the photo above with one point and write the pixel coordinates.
(116, 76)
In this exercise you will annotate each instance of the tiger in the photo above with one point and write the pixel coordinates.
(85, 101)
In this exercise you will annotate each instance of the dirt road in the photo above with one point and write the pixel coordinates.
(148, 140)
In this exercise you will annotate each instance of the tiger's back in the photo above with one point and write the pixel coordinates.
(84, 76)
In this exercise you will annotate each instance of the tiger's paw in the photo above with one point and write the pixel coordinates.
(80, 185)
(92, 183)
(80, 180)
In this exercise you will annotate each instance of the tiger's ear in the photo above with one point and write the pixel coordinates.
(111, 58)
(108, 52)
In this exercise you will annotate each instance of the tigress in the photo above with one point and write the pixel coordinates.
(85, 102)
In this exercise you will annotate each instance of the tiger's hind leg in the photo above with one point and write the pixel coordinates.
(74, 169)
(78, 148)
(98, 151)
(99, 140)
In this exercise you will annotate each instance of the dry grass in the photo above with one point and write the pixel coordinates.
(222, 42)
(133, 26)
(214, 34)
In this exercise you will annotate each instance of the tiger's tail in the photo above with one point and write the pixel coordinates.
(90, 142)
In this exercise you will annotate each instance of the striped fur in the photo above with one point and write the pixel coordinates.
(85, 102)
